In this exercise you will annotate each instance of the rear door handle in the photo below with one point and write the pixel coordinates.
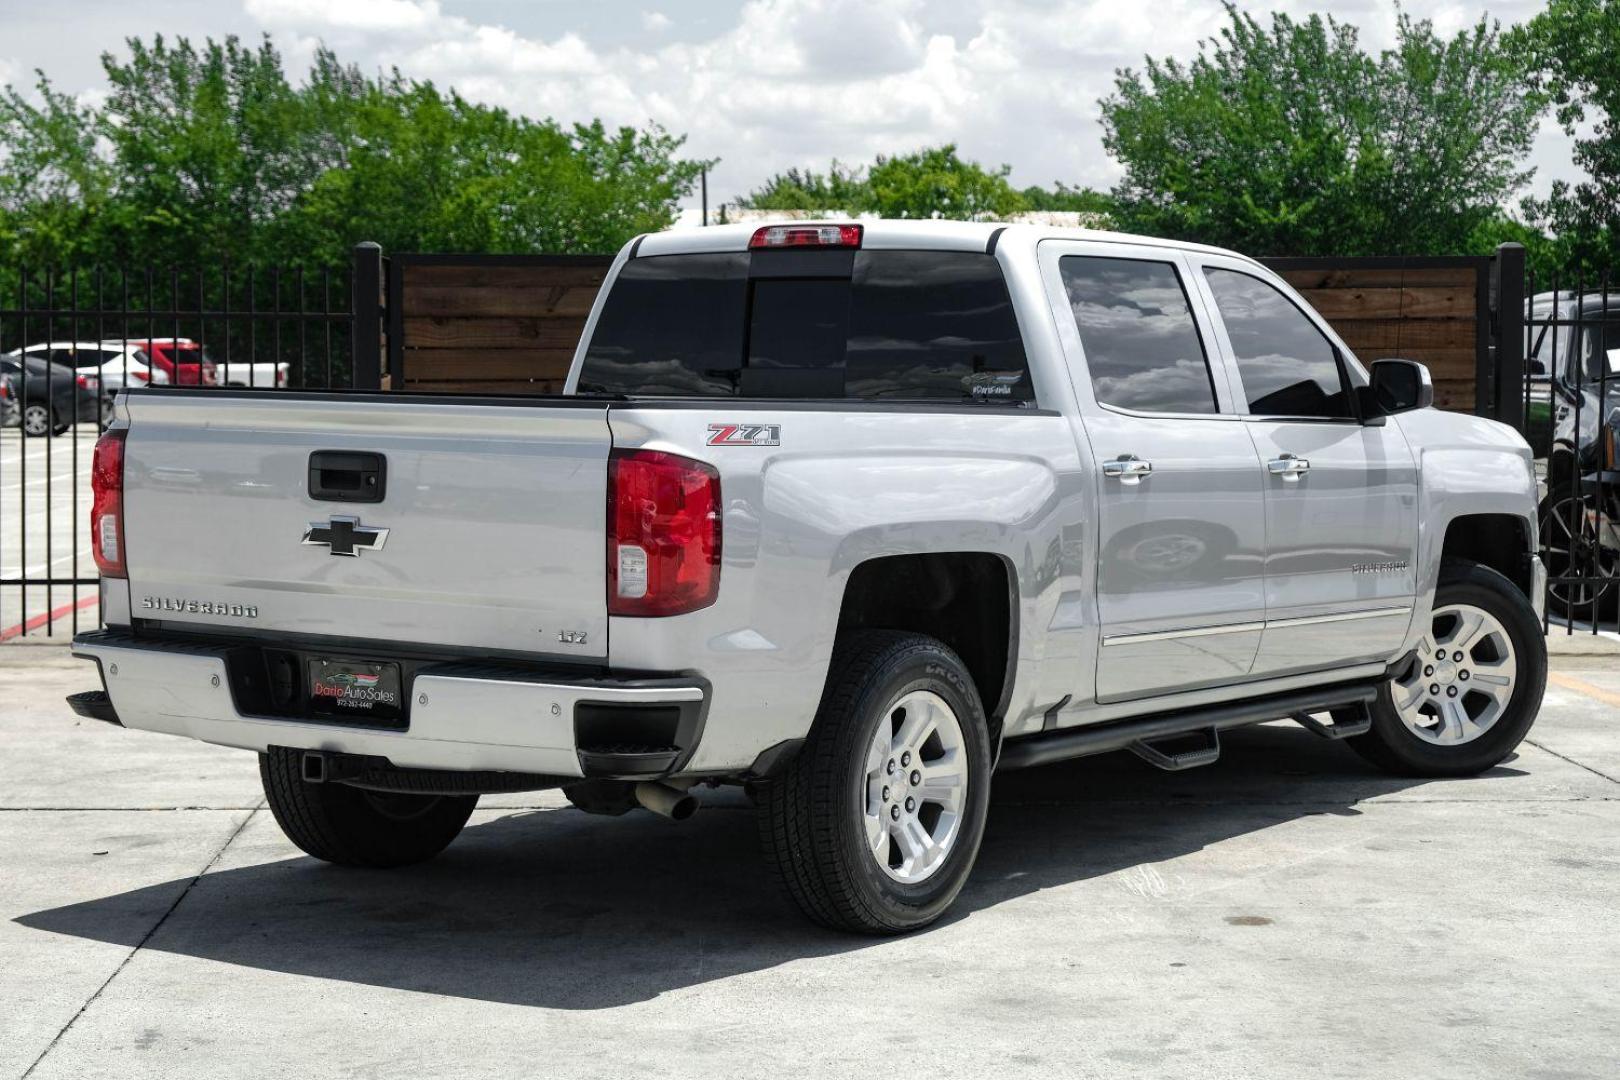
(1128, 469)
(1289, 467)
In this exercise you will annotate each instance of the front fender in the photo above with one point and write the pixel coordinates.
(1466, 465)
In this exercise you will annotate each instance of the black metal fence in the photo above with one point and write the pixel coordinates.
(1547, 361)
(70, 339)
(1569, 411)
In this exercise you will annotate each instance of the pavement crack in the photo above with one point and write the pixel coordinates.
(1572, 761)
(139, 945)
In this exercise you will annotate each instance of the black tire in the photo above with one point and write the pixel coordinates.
(811, 816)
(353, 827)
(1393, 746)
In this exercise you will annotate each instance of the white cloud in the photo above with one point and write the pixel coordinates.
(375, 16)
(797, 82)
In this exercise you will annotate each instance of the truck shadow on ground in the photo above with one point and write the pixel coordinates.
(560, 909)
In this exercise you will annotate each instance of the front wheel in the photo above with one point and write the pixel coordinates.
(351, 826)
(874, 826)
(1469, 694)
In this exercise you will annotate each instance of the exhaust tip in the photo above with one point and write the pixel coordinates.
(666, 801)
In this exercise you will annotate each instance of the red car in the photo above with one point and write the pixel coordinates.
(195, 367)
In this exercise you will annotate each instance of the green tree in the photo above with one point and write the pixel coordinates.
(1573, 49)
(927, 183)
(1293, 140)
(935, 182)
(211, 152)
(53, 183)
(1062, 197)
(841, 187)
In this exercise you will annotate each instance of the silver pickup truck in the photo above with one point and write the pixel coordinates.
(849, 515)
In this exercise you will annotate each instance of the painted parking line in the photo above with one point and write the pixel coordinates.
(36, 621)
(1581, 686)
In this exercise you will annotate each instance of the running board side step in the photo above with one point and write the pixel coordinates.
(1359, 723)
(1126, 734)
(1177, 760)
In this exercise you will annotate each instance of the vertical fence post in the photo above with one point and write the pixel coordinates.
(366, 287)
(1507, 376)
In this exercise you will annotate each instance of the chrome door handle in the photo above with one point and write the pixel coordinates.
(1289, 467)
(1128, 469)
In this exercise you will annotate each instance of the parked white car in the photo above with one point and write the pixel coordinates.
(118, 365)
(110, 366)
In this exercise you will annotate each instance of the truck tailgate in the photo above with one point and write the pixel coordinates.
(495, 516)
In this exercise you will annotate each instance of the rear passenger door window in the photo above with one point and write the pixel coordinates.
(1142, 346)
(1287, 366)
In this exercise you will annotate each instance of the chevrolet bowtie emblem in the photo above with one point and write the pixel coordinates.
(345, 536)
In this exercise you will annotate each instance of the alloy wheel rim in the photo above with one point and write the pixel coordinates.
(36, 421)
(1461, 679)
(915, 788)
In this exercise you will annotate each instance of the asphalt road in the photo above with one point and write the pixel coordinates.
(44, 532)
(1285, 913)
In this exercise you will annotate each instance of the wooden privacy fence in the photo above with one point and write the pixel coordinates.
(509, 323)
(488, 323)
(1436, 311)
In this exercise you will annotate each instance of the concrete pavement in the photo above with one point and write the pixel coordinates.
(1286, 913)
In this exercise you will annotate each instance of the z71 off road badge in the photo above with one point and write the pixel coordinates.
(745, 434)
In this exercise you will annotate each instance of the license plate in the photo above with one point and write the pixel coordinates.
(358, 689)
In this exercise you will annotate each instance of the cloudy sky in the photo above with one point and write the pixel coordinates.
(761, 84)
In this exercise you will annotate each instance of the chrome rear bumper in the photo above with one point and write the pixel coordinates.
(456, 721)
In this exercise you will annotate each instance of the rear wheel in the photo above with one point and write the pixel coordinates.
(351, 826)
(1471, 691)
(875, 825)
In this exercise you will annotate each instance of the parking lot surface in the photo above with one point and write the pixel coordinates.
(1285, 913)
(44, 533)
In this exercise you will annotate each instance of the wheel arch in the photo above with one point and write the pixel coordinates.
(966, 599)
(1500, 541)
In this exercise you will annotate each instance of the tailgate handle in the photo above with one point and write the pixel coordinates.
(347, 476)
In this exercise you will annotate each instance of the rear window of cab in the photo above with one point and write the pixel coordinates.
(867, 325)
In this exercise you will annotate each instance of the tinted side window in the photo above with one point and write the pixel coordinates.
(672, 324)
(1288, 368)
(934, 324)
(1137, 328)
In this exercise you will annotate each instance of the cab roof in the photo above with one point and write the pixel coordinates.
(898, 234)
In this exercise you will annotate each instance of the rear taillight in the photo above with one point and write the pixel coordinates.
(107, 503)
(793, 236)
(87, 382)
(663, 550)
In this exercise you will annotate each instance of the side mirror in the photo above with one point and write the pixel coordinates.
(1401, 386)
(1537, 367)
